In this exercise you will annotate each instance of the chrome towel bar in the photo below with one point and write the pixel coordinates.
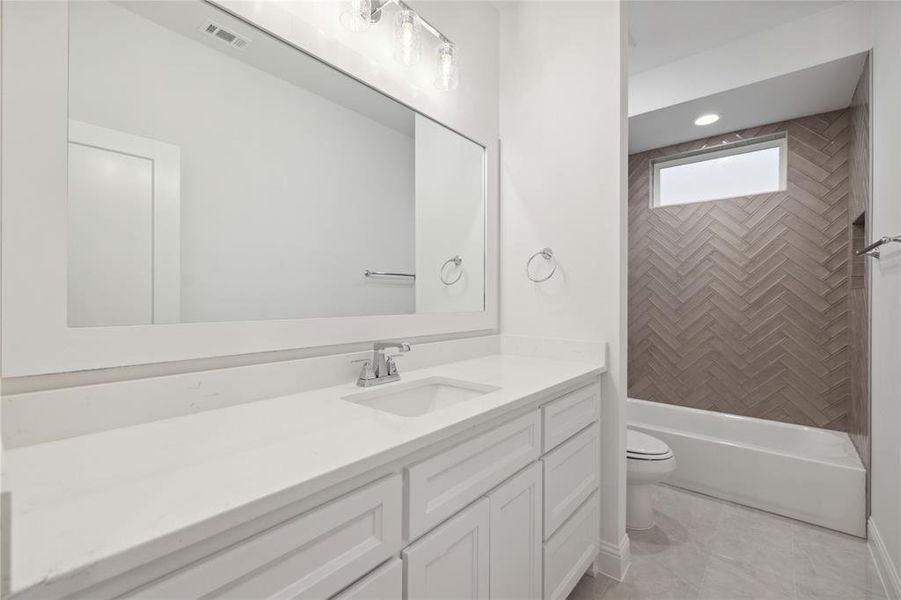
(368, 273)
(872, 251)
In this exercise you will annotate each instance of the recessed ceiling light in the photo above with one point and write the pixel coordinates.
(707, 119)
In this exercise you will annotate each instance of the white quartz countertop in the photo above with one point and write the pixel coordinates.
(89, 507)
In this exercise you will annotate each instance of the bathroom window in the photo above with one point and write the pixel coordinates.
(745, 168)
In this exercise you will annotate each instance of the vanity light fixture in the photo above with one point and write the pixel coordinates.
(448, 76)
(360, 15)
(356, 15)
(407, 39)
(707, 119)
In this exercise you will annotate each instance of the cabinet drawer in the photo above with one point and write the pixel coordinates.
(571, 474)
(385, 583)
(313, 555)
(568, 554)
(569, 414)
(452, 561)
(443, 484)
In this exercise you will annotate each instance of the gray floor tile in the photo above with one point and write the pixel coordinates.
(727, 579)
(650, 580)
(704, 548)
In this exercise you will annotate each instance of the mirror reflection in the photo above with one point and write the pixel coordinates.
(217, 174)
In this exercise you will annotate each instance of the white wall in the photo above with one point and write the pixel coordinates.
(450, 220)
(563, 178)
(286, 197)
(824, 36)
(886, 288)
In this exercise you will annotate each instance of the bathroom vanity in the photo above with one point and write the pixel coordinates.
(315, 496)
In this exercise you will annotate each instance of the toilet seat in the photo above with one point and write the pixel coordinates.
(641, 446)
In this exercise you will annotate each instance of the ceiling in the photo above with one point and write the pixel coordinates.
(661, 31)
(822, 88)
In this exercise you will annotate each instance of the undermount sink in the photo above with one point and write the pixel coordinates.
(420, 397)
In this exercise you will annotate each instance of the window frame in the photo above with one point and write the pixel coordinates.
(776, 140)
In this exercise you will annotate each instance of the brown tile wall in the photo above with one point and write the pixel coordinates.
(858, 292)
(741, 305)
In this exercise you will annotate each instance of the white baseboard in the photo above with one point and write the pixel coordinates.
(884, 565)
(613, 559)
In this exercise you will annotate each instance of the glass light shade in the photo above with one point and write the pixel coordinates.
(356, 15)
(407, 38)
(448, 75)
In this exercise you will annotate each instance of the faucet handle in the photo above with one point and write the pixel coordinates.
(367, 372)
(390, 365)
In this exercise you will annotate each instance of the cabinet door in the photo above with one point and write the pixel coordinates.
(515, 554)
(451, 562)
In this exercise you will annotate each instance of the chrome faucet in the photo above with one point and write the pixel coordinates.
(381, 368)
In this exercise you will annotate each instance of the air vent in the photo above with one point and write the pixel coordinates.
(222, 34)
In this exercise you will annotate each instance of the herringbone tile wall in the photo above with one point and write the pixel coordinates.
(858, 294)
(741, 305)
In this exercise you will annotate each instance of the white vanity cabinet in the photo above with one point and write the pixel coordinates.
(499, 514)
(542, 522)
(571, 505)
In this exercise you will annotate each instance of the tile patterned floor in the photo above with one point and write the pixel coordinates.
(707, 549)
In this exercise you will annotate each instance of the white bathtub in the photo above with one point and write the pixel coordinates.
(810, 474)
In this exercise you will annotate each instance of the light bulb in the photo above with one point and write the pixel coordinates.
(448, 76)
(356, 15)
(407, 41)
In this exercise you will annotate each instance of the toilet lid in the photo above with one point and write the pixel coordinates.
(642, 445)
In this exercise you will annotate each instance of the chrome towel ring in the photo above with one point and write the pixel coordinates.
(457, 261)
(548, 255)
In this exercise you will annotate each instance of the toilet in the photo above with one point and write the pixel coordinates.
(648, 461)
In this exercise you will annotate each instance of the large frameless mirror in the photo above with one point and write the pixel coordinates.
(217, 173)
